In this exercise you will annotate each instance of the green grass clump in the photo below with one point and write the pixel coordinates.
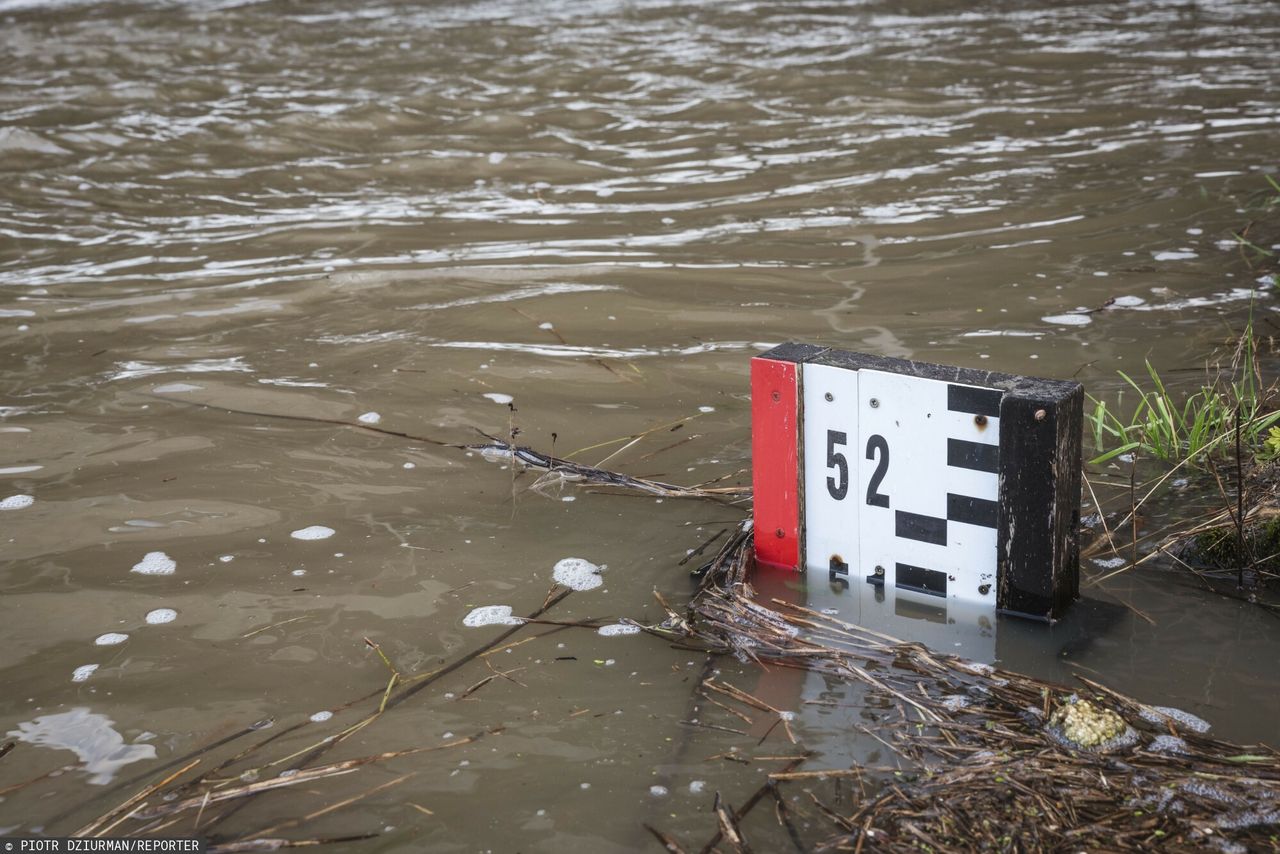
(1191, 430)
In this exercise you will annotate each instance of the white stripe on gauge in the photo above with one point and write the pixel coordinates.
(831, 496)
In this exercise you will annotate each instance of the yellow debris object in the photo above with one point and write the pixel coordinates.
(1086, 724)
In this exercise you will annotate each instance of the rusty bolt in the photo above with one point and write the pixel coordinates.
(777, 395)
(980, 420)
(780, 533)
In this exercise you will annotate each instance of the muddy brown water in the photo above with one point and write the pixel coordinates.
(213, 213)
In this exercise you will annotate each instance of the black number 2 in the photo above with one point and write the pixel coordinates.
(838, 488)
(877, 443)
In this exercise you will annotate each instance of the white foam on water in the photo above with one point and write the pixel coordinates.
(498, 397)
(547, 326)
(658, 791)
(83, 672)
(226, 558)
(369, 418)
(1001, 333)
(409, 465)
(696, 786)
(491, 615)
(577, 574)
(1179, 255)
(617, 629)
(315, 532)
(1209, 790)
(1127, 301)
(176, 388)
(1158, 715)
(19, 469)
(1248, 818)
(160, 616)
(155, 563)
(1068, 319)
(706, 409)
(101, 749)
(1166, 743)
(15, 429)
(110, 639)
(1109, 562)
(321, 717)
(17, 502)
(299, 572)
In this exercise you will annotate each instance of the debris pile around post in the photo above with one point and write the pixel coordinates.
(1000, 761)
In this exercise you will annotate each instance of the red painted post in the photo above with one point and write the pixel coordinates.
(775, 462)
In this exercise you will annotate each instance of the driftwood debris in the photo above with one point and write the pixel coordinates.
(988, 771)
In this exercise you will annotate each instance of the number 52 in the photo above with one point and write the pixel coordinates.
(877, 450)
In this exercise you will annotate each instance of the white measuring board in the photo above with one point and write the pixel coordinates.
(955, 486)
(901, 484)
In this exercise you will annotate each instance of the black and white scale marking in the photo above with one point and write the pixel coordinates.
(901, 482)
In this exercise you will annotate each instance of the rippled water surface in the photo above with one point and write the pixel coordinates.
(419, 216)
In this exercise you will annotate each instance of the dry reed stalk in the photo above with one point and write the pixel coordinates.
(304, 775)
(570, 471)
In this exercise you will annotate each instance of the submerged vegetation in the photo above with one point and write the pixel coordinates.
(1238, 410)
(1266, 206)
(1223, 437)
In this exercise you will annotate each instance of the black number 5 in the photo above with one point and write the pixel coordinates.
(838, 488)
(877, 443)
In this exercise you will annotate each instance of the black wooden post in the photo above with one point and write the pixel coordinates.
(1039, 517)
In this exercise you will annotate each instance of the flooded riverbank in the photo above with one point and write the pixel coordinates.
(410, 216)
